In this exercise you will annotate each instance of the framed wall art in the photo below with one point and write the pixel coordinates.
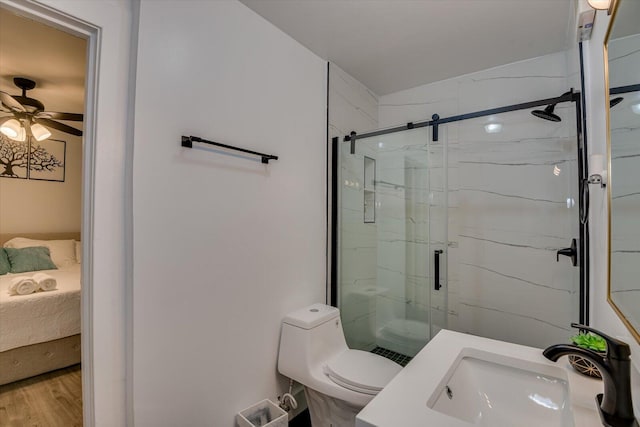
(14, 158)
(30, 159)
(47, 160)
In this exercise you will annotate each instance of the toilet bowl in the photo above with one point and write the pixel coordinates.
(338, 381)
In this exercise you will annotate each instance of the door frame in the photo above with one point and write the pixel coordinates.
(91, 34)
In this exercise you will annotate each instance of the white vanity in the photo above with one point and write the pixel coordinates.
(464, 380)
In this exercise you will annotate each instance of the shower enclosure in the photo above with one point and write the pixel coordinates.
(462, 223)
(384, 263)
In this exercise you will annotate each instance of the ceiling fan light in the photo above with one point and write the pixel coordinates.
(22, 135)
(40, 132)
(11, 128)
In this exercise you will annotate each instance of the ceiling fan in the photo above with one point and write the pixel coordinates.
(28, 115)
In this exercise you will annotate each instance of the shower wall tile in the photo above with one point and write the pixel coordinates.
(419, 104)
(538, 78)
(402, 230)
(508, 326)
(359, 333)
(388, 309)
(352, 107)
(453, 259)
(509, 200)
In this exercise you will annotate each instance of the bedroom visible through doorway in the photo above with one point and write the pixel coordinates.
(44, 70)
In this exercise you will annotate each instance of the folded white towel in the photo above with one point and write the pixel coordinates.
(22, 285)
(45, 281)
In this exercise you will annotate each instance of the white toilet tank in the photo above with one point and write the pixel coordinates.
(309, 337)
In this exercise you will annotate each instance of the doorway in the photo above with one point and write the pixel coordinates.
(48, 67)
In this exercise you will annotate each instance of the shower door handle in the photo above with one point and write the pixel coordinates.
(436, 269)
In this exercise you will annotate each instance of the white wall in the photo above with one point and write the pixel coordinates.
(31, 206)
(224, 246)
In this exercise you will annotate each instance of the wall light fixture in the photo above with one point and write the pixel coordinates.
(601, 5)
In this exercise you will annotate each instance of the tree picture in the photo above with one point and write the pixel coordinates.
(43, 161)
(14, 157)
(46, 161)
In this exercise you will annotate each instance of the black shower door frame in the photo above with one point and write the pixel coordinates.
(434, 123)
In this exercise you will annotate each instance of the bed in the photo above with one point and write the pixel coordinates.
(40, 332)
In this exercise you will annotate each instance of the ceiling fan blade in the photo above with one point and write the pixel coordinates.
(59, 116)
(9, 102)
(60, 126)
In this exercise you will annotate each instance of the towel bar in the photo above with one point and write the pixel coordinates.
(187, 141)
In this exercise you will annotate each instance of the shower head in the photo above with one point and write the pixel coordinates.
(547, 113)
(615, 101)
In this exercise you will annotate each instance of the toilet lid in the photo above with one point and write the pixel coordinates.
(361, 371)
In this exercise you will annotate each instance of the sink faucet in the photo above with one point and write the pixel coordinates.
(615, 405)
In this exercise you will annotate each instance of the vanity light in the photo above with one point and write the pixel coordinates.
(493, 127)
(40, 132)
(635, 108)
(11, 128)
(599, 4)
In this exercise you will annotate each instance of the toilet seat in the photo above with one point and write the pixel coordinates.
(361, 371)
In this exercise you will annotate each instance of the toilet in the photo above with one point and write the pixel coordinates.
(338, 382)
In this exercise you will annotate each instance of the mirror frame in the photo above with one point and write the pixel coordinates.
(614, 9)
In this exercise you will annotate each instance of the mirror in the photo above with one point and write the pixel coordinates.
(622, 60)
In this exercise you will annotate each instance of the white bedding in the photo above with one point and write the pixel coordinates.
(41, 316)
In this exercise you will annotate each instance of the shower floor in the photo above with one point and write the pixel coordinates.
(400, 359)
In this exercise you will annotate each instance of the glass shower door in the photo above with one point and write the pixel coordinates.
(391, 193)
(514, 193)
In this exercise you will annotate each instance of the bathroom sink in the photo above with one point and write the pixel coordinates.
(487, 389)
(461, 380)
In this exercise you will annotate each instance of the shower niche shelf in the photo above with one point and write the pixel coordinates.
(369, 190)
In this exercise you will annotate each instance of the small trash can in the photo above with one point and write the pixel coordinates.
(263, 414)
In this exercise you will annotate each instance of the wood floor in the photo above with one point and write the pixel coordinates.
(53, 399)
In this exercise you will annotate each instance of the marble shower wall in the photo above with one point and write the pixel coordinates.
(403, 219)
(353, 107)
(511, 200)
